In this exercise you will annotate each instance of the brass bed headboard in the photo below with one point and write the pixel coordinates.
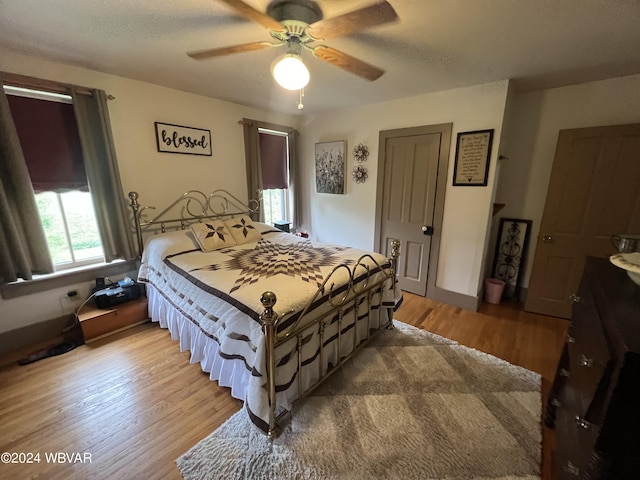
(194, 206)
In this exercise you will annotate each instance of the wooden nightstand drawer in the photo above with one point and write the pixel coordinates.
(96, 323)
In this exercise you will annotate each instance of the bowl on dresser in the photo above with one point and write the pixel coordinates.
(629, 262)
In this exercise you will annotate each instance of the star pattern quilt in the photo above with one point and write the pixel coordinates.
(219, 293)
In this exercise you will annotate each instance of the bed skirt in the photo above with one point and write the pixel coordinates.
(204, 350)
(245, 385)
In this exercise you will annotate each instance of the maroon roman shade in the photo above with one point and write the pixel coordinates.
(50, 143)
(273, 160)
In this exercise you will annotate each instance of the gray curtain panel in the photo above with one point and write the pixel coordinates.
(23, 245)
(294, 180)
(254, 169)
(102, 173)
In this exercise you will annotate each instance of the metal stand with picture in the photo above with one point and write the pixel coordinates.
(510, 255)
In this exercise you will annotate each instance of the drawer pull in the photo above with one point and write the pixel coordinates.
(571, 469)
(574, 298)
(565, 373)
(582, 423)
(570, 339)
(585, 361)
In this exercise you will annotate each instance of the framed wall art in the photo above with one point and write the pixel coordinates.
(180, 139)
(511, 253)
(473, 151)
(330, 167)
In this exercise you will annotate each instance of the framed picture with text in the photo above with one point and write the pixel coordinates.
(172, 138)
(473, 151)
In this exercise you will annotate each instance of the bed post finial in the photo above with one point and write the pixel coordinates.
(135, 206)
(268, 300)
(268, 319)
(395, 254)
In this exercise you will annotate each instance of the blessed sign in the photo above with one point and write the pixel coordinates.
(179, 139)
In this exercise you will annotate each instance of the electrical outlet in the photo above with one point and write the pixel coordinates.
(69, 301)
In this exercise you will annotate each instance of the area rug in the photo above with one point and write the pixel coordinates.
(411, 405)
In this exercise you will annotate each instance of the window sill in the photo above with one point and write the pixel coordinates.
(66, 278)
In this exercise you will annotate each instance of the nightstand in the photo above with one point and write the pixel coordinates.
(99, 322)
(284, 226)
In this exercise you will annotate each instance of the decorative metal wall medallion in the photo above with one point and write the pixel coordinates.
(359, 174)
(360, 153)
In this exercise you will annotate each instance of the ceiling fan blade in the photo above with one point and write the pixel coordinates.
(257, 16)
(347, 62)
(219, 52)
(376, 14)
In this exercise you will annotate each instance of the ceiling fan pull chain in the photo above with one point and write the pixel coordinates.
(300, 105)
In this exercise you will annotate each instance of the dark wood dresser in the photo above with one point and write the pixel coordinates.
(594, 403)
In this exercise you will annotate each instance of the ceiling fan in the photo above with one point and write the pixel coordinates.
(299, 24)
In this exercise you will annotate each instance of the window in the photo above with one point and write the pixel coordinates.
(271, 155)
(274, 160)
(48, 134)
(70, 226)
(275, 204)
(73, 156)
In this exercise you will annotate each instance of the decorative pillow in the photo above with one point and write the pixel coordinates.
(264, 228)
(243, 229)
(212, 235)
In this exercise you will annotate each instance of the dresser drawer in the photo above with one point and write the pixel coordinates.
(588, 356)
(574, 444)
(584, 388)
(587, 340)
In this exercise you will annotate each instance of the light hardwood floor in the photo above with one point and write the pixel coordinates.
(133, 403)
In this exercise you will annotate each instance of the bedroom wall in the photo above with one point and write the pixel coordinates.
(157, 177)
(349, 219)
(531, 141)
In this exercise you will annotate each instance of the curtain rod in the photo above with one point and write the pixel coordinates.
(25, 81)
(267, 126)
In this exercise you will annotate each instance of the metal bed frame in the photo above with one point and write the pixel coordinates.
(196, 206)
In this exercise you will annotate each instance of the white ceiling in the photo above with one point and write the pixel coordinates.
(436, 45)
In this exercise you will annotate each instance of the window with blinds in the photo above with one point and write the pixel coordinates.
(48, 134)
(274, 164)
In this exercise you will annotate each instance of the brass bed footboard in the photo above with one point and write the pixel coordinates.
(360, 286)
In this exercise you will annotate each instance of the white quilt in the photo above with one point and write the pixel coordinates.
(219, 293)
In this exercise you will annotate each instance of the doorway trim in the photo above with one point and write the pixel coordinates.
(444, 129)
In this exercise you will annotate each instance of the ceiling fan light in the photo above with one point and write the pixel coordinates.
(290, 72)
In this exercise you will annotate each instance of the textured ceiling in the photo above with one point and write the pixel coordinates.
(436, 45)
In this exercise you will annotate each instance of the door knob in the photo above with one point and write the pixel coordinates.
(427, 230)
(547, 239)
